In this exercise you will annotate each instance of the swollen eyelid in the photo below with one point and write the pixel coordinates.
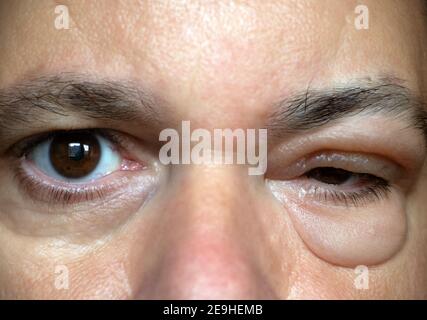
(346, 228)
(356, 163)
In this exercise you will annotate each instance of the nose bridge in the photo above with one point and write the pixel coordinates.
(207, 252)
(214, 196)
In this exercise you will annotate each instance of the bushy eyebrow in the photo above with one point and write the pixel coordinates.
(68, 94)
(319, 107)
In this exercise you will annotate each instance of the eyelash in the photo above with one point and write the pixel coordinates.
(379, 189)
(71, 193)
(62, 195)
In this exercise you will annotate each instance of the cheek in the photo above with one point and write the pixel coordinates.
(39, 268)
(350, 236)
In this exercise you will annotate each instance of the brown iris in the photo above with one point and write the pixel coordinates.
(74, 154)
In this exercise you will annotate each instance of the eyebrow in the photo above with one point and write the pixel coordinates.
(68, 94)
(319, 107)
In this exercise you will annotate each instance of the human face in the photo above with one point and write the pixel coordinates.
(346, 179)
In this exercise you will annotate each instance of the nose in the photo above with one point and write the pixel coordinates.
(210, 236)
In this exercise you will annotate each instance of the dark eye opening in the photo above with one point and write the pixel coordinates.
(330, 175)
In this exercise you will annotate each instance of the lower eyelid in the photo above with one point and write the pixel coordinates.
(345, 235)
(44, 188)
(41, 207)
(140, 171)
(303, 190)
(47, 190)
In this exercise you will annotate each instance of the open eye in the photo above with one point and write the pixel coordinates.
(75, 156)
(64, 167)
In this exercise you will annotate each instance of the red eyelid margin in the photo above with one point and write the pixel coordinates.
(130, 165)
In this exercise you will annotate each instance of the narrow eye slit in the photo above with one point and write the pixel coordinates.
(75, 156)
(330, 175)
(339, 177)
(343, 186)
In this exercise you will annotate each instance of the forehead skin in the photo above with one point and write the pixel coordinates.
(216, 57)
(222, 64)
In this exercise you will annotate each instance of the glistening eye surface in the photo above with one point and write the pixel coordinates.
(75, 156)
(76, 182)
(64, 167)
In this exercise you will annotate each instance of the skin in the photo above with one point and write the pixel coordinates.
(213, 232)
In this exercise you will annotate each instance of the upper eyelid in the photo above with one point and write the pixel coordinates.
(361, 162)
(23, 146)
(401, 148)
(372, 165)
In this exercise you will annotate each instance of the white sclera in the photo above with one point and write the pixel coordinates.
(109, 161)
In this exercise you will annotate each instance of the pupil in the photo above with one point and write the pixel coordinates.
(330, 175)
(74, 154)
(76, 151)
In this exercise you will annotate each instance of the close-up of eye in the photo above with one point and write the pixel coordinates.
(75, 165)
(336, 176)
(347, 207)
(346, 186)
(342, 178)
(79, 156)
(213, 150)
